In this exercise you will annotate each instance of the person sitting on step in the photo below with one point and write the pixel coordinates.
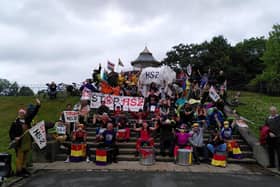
(123, 133)
(181, 140)
(145, 138)
(79, 136)
(216, 142)
(109, 141)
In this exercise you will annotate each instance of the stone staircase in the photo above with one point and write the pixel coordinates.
(127, 149)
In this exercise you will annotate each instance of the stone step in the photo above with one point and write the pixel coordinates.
(133, 134)
(92, 139)
(129, 151)
(61, 157)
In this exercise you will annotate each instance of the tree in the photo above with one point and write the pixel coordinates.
(246, 61)
(25, 91)
(8, 89)
(271, 56)
(4, 84)
(269, 81)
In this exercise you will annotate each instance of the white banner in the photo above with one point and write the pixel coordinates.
(38, 132)
(111, 101)
(213, 94)
(71, 116)
(162, 75)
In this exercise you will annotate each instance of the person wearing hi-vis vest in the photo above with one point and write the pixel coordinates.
(19, 133)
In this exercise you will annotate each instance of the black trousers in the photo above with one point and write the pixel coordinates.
(114, 149)
(273, 145)
(167, 143)
(200, 151)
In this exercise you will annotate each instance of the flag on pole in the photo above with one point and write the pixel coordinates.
(120, 63)
(38, 132)
(189, 70)
(110, 65)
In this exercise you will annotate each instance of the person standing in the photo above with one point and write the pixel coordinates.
(19, 133)
(273, 139)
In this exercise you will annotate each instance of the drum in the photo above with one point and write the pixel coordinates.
(103, 157)
(219, 159)
(184, 157)
(121, 134)
(78, 152)
(147, 156)
(230, 145)
(5, 164)
(234, 149)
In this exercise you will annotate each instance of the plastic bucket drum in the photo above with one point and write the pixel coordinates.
(103, 157)
(147, 156)
(184, 157)
(78, 152)
(219, 159)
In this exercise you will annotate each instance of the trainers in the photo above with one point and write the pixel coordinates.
(87, 160)
(62, 147)
(67, 160)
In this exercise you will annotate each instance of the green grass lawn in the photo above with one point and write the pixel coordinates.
(50, 111)
(255, 107)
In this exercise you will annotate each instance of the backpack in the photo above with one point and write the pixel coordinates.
(264, 130)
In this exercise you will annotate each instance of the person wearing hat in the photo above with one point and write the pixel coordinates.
(19, 132)
(181, 140)
(197, 143)
(226, 131)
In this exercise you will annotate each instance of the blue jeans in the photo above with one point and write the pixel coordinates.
(220, 148)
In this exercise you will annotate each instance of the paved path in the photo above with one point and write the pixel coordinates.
(152, 179)
(124, 174)
(159, 166)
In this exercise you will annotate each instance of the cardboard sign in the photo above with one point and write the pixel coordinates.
(213, 94)
(71, 116)
(38, 132)
(126, 103)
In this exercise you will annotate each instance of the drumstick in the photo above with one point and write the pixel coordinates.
(14, 142)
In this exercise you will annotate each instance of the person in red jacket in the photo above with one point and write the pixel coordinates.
(145, 137)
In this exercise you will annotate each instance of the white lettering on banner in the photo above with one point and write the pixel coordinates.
(127, 103)
(38, 132)
(213, 94)
(71, 116)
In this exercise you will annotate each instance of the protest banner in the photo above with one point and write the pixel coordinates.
(71, 116)
(162, 76)
(38, 133)
(213, 94)
(111, 101)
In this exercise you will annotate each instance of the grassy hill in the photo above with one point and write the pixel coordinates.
(50, 111)
(255, 107)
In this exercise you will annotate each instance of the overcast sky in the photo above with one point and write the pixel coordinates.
(63, 40)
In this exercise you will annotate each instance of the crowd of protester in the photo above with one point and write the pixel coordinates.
(178, 116)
